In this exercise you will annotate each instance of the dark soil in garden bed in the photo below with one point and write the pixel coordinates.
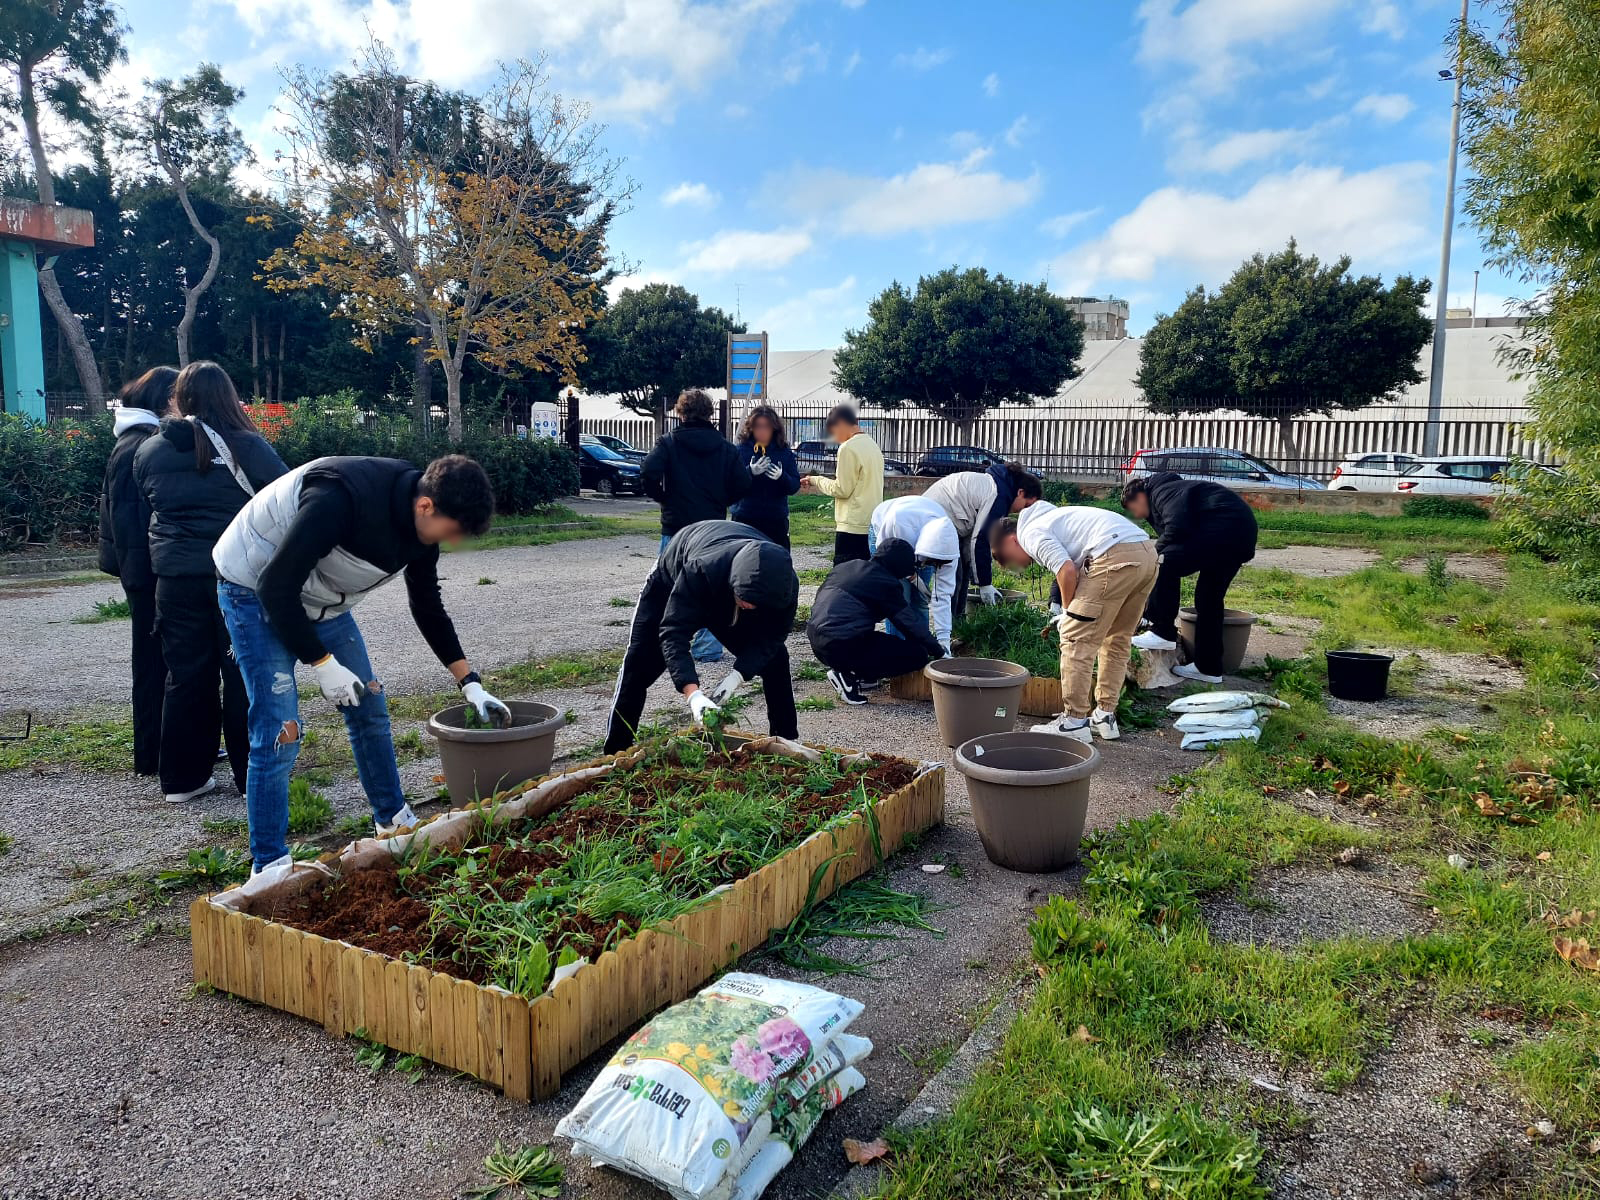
(643, 819)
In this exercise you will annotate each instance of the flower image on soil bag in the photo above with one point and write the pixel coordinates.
(683, 1100)
(794, 1120)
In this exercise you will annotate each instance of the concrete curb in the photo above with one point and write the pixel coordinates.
(938, 1096)
(29, 568)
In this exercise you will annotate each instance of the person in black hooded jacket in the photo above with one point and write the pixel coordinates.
(735, 582)
(852, 600)
(194, 491)
(1200, 527)
(125, 553)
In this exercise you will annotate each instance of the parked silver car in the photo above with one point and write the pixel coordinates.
(1232, 467)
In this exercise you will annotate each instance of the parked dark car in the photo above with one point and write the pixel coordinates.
(607, 472)
(614, 444)
(1218, 465)
(947, 460)
(819, 458)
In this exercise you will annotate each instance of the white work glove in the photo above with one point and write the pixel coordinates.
(491, 711)
(774, 470)
(700, 704)
(944, 651)
(989, 594)
(758, 467)
(1055, 609)
(338, 682)
(724, 690)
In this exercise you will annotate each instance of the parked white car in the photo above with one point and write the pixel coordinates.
(1464, 475)
(1370, 472)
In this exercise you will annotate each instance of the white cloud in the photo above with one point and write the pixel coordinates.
(1211, 36)
(1371, 215)
(814, 318)
(1383, 16)
(927, 197)
(802, 60)
(923, 59)
(632, 283)
(1059, 227)
(1017, 130)
(1387, 107)
(1222, 155)
(965, 142)
(851, 63)
(991, 85)
(745, 249)
(694, 195)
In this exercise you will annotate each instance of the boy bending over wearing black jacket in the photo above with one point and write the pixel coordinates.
(852, 600)
(739, 585)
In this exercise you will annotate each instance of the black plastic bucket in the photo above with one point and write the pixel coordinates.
(1356, 675)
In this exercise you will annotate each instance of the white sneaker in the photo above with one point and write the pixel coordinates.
(282, 863)
(1190, 671)
(399, 823)
(209, 785)
(1076, 728)
(1151, 640)
(1104, 725)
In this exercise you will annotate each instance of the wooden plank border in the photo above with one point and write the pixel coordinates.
(1041, 696)
(524, 1047)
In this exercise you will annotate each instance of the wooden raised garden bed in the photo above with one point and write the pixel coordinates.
(1041, 697)
(519, 1044)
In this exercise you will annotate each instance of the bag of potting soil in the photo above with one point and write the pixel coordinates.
(682, 1098)
(1202, 722)
(1224, 702)
(1213, 738)
(793, 1122)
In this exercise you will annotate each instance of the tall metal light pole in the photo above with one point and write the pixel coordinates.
(1430, 433)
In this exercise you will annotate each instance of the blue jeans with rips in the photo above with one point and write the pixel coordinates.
(274, 722)
(703, 647)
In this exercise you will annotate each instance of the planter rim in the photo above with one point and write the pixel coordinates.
(1088, 762)
(549, 720)
(1230, 616)
(1359, 656)
(948, 671)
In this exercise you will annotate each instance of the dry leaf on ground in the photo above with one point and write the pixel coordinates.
(861, 1153)
(1082, 1034)
(1579, 953)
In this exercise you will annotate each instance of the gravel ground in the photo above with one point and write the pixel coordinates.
(1303, 904)
(186, 1096)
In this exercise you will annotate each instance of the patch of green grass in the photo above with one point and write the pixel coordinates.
(484, 581)
(527, 1172)
(410, 744)
(105, 610)
(309, 810)
(815, 704)
(94, 745)
(811, 671)
(866, 910)
(6, 843)
(230, 827)
(813, 574)
(811, 520)
(620, 602)
(208, 870)
(519, 679)
(354, 828)
(541, 531)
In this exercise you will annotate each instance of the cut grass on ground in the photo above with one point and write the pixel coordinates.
(1130, 975)
(558, 523)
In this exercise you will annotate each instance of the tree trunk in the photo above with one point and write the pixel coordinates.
(421, 377)
(66, 320)
(255, 361)
(452, 389)
(191, 295)
(283, 337)
(1287, 445)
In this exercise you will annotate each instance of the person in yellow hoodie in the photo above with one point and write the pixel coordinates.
(856, 486)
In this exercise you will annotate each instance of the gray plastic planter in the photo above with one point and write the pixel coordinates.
(1236, 625)
(975, 696)
(1030, 797)
(480, 762)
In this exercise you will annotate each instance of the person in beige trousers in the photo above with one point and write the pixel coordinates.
(1105, 566)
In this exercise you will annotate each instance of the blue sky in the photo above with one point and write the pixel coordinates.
(794, 157)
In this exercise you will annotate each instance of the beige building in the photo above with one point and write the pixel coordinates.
(1103, 320)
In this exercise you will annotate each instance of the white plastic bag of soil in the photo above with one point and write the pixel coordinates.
(688, 1099)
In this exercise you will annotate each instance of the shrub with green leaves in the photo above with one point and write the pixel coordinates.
(1453, 507)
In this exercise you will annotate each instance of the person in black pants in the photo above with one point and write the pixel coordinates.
(1200, 527)
(196, 475)
(125, 553)
(852, 600)
(737, 583)
(774, 474)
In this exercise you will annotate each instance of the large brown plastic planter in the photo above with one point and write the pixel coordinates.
(480, 762)
(1030, 797)
(508, 1041)
(975, 696)
(1236, 625)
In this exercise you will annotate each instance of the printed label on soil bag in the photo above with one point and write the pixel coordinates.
(1001, 711)
(684, 1093)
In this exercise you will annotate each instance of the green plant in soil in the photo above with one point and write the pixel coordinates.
(6, 843)
(815, 704)
(1014, 632)
(811, 671)
(645, 844)
(620, 602)
(529, 1172)
(105, 610)
(309, 810)
(208, 870)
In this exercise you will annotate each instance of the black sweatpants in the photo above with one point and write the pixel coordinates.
(643, 664)
(776, 528)
(847, 547)
(873, 655)
(205, 694)
(149, 680)
(1216, 569)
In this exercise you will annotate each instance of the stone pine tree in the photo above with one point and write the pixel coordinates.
(1287, 335)
(185, 132)
(490, 237)
(55, 51)
(1532, 135)
(962, 343)
(651, 344)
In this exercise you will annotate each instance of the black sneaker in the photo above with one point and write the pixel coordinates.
(847, 687)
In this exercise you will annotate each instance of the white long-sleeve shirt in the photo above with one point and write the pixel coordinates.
(966, 497)
(1052, 535)
(923, 523)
